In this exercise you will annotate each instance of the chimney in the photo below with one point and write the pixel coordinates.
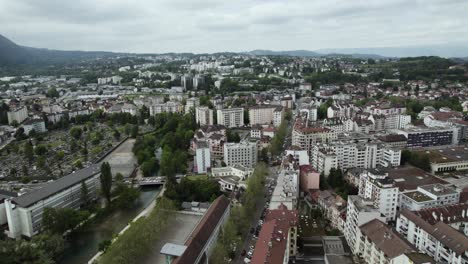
(441, 217)
(434, 215)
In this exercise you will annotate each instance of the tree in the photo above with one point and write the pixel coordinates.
(76, 132)
(84, 193)
(149, 167)
(134, 132)
(28, 151)
(52, 93)
(59, 220)
(405, 156)
(40, 150)
(106, 181)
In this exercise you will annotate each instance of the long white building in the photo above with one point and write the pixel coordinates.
(18, 115)
(265, 114)
(231, 117)
(24, 213)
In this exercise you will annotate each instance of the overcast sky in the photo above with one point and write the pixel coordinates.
(237, 25)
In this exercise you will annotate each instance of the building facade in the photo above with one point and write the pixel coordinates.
(243, 153)
(231, 117)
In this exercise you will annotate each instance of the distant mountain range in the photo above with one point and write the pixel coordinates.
(448, 50)
(14, 54)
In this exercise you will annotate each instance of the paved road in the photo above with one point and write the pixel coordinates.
(249, 240)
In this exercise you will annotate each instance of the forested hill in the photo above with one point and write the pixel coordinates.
(12, 54)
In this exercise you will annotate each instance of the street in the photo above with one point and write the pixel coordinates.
(249, 240)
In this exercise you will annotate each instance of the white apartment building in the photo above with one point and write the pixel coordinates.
(243, 153)
(18, 115)
(24, 213)
(192, 103)
(381, 191)
(264, 114)
(231, 117)
(168, 107)
(204, 116)
(358, 212)
(428, 196)
(278, 115)
(202, 157)
(378, 243)
(323, 160)
(355, 155)
(427, 231)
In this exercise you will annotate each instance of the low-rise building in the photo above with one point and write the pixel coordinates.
(24, 213)
(427, 196)
(198, 247)
(38, 125)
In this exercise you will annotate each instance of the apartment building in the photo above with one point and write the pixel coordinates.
(243, 153)
(430, 137)
(429, 233)
(429, 196)
(38, 125)
(354, 155)
(204, 116)
(278, 115)
(381, 191)
(202, 158)
(265, 114)
(192, 103)
(379, 243)
(214, 135)
(323, 159)
(17, 115)
(24, 213)
(277, 240)
(358, 212)
(231, 117)
(305, 136)
(168, 107)
(333, 207)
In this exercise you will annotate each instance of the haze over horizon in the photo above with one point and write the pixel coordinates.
(144, 26)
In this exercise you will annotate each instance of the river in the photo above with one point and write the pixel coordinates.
(83, 244)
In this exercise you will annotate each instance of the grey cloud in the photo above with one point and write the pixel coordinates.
(219, 25)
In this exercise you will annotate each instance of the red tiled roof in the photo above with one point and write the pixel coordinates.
(203, 231)
(385, 239)
(272, 240)
(449, 213)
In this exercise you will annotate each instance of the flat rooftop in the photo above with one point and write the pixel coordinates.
(418, 196)
(56, 186)
(447, 154)
(409, 177)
